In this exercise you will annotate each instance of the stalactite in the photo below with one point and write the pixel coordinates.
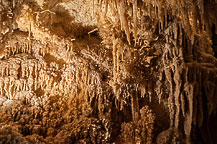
(171, 98)
(177, 80)
(135, 25)
(1, 86)
(165, 15)
(115, 43)
(106, 6)
(11, 89)
(123, 19)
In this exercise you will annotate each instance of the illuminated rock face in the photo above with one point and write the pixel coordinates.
(100, 71)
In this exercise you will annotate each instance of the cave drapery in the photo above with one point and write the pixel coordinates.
(108, 71)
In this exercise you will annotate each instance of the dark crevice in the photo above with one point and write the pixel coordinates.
(214, 40)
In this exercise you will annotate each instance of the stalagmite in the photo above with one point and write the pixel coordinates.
(188, 122)
(18, 85)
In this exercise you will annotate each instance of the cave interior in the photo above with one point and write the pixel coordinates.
(108, 71)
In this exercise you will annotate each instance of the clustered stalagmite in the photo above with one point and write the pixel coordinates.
(107, 71)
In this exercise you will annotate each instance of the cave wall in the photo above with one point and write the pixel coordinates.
(99, 71)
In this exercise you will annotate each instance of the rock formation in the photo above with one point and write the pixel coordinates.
(100, 71)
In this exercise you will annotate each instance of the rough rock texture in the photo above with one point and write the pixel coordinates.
(100, 71)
